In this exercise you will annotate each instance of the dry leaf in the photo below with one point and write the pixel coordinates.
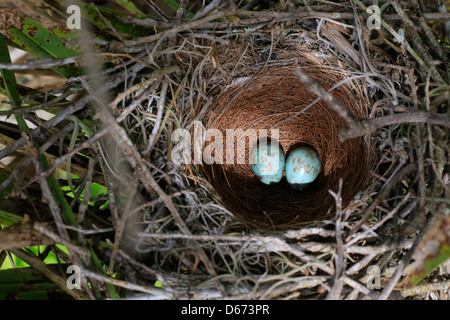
(432, 251)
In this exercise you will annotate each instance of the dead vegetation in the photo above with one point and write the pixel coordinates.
(165, 222)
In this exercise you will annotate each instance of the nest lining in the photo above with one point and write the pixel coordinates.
(276, 99)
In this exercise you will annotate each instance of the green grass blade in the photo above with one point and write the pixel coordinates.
(9, 81)
(431, 263)
(4, 174)
(97, 264)
(130, 6)
(112, 16)
(58, 195)
(43, 43)
(173, 4)
(27, 284)
(7, 219)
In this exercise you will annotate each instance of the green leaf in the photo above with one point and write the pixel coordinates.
(25, 43)
(64, 34)
(27, 284)
(130, 6)
(431, 264)
(9, 81)
(433, 250)
(96, 190)
(173, 4)
(112, 17)
(58, 195)
(42, 43)
(3, 176)
(49, 259)
(97, 264)
(46, 39)
(7, 219)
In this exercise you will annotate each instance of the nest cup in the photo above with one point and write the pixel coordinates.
(276, 99)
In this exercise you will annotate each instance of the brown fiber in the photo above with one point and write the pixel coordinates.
(272, 100)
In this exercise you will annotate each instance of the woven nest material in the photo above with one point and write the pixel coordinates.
(276, 99)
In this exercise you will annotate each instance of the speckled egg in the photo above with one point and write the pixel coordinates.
(267, 162)
(302, 167)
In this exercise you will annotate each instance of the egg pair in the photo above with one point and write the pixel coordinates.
(268, 163)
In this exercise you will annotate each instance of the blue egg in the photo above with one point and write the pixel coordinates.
(302, 167)
(267, 162)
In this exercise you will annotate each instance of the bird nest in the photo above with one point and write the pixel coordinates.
(276, 101)
(211, 230)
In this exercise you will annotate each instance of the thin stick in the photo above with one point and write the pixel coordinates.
(42, 268)
(402, 264)
(417, 41)
(358, 286)
(159, 114)
(369, 126)
(331, 101)
(264, 17)
(381, 196)
(22, 237)
(159, 294)
(155, 8)
(340, 254)
(61, 116)
(248, 244)
(207, 9)
(44, 229)
(309, 232)
(379, 223)
(47, 195)
(70, 154)
(40, 63)
(445, 285)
